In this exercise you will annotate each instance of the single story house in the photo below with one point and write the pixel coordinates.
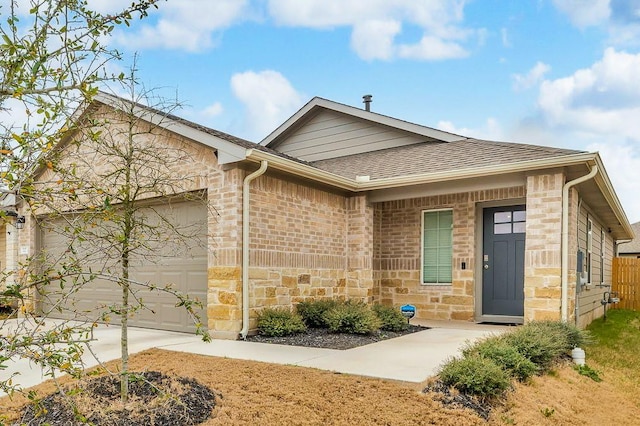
(631, 248)
(342, 202)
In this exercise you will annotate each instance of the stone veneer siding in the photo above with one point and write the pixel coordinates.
(542, 282)
(299, 248)
(398, 229)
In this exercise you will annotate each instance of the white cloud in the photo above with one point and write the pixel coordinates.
(268, 97)
(595, 109)
(376, 23)
(584, 13)
(432, 48)
(621, 18)
(491, 130)
(13, 114)
(531, 78)
(213, 110)
(603, 99)
(622, 161)
(186, 25)
(374, 39)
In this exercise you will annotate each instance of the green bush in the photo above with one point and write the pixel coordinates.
(351, 317)
(274, 322)
(312, 311)
(391, 319)
(505, 355)
(539, 343)
(475, 375)
(565, 332)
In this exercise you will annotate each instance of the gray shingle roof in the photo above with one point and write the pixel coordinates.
(114, 99)
(633, 246)
(431, 157)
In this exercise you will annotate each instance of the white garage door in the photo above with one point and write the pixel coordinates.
(167, 261)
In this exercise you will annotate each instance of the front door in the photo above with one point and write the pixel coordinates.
(503, 261)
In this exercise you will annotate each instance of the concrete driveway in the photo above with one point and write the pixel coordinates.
(411, 358)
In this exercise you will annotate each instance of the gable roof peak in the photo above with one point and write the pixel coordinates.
(317, 104)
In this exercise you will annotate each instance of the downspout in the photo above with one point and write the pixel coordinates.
(576, 312)
(565, 240)
(245, 245)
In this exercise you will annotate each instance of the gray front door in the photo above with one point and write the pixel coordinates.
(503, 261)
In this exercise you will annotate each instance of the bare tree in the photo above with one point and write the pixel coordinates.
(108, 193)
(103, 180)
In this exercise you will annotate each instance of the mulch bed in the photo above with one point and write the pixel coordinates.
(155, 399)
(322, 338)
(444, 394)
(186, 402)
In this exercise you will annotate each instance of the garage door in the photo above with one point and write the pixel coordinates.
(167, 259)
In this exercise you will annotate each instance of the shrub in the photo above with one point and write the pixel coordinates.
(475, 375)
(391, 319)
(312, 311)
(505, 355)
(568, 333)
(540, 344)
(279, 322)
(351, 317)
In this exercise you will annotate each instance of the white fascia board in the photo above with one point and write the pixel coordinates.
(228, 152)
(331, 179)
(608, 191)
(362, 114)
(341, 182)
(302, 170)
(290, 122)
(477, 172)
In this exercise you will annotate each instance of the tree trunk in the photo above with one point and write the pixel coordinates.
(124, 338)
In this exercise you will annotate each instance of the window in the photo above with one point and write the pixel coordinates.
(437, 246)
(589, 248)
(510, 222)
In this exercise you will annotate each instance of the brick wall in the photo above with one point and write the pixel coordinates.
(398, 258)
(542, 282)
(299, 248)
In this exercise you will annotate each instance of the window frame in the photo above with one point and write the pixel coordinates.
(422, 241)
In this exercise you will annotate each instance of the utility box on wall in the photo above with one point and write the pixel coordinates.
(581, 267)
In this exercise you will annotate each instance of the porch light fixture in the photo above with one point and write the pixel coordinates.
(20, 221)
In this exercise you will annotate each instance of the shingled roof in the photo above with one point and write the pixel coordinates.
(429, 157)
(634, 245)
(116, 101)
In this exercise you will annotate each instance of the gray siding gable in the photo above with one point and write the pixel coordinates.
(324, 129)
(330, 134)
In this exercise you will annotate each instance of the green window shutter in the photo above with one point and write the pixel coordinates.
(437, 243)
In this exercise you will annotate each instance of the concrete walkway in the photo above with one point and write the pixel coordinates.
(411, 358)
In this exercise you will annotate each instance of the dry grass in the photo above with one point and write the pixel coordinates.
(254, 393)
(566, 398)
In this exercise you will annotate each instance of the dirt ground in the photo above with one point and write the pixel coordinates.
(253, 393)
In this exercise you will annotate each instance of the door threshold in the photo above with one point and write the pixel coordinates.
(500, 319)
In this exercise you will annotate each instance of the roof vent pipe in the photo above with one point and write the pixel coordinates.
(367, 102)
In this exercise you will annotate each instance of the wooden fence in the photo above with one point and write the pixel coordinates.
(626, 281)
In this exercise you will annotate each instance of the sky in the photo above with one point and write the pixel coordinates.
(562, 73)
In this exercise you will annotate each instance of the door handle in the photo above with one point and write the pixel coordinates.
(486, 266)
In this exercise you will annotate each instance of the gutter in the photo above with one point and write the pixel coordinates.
(564, 304)
(245, 245)
(332, 179)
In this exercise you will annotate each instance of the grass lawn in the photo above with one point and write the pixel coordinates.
(255, 393)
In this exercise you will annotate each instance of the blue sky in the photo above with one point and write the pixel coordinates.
(551, 72)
